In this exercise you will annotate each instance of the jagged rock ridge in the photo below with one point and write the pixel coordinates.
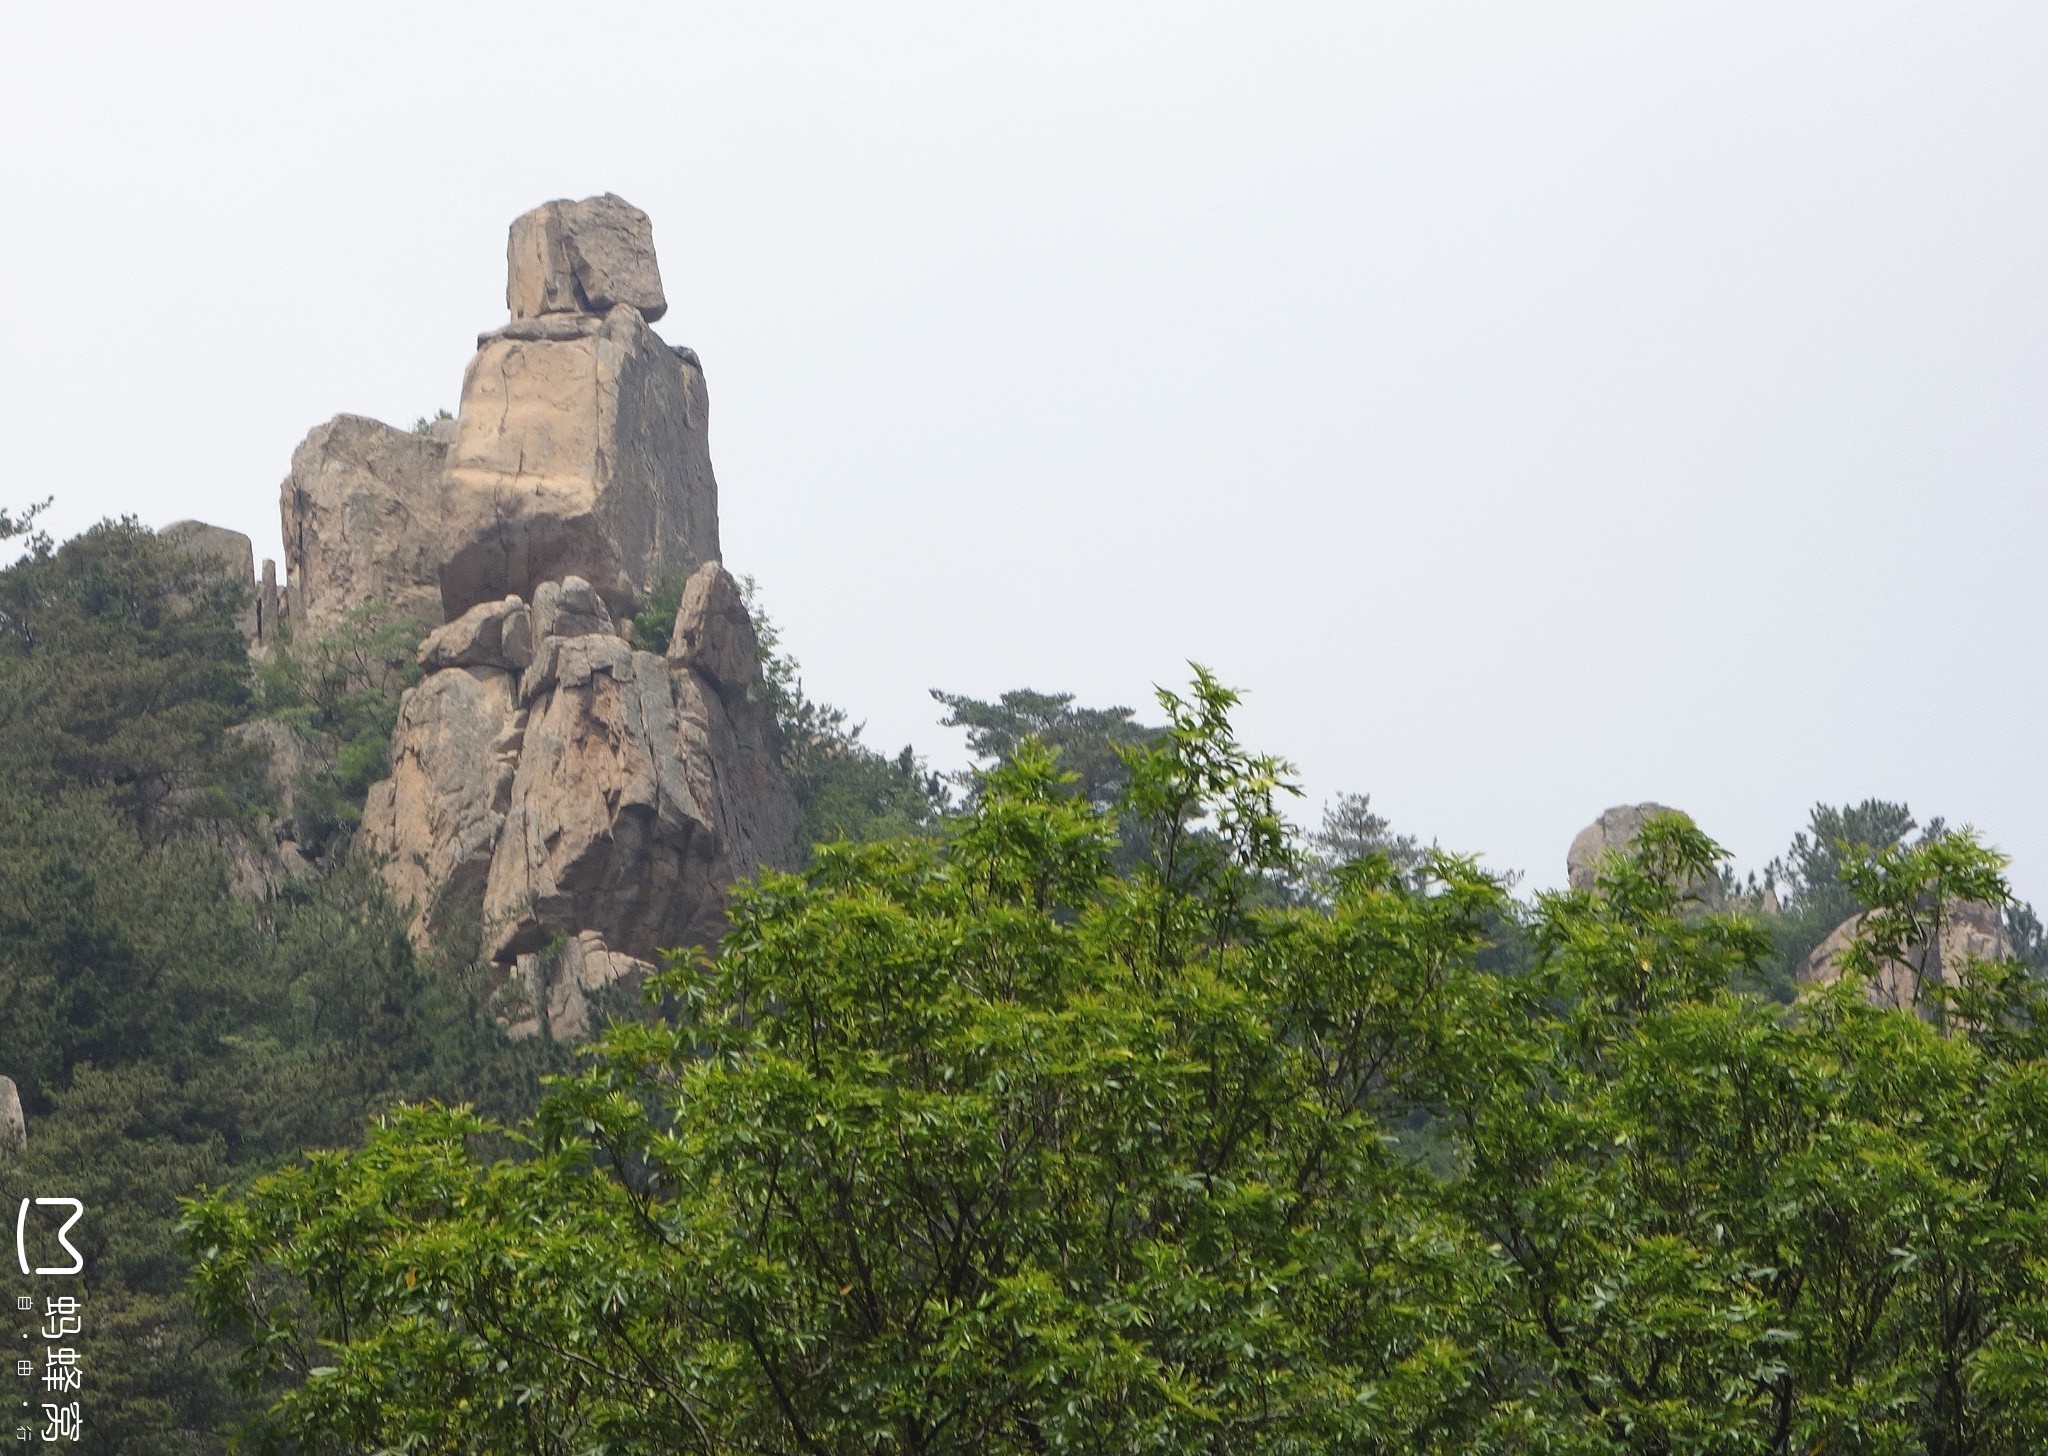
(587, 805)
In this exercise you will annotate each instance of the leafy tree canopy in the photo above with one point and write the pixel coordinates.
(972, 1143)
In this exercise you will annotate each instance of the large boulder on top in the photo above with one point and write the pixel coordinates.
(361, 514)
(581, 449)
(583, 257)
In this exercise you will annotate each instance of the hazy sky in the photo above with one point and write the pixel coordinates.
(1532, 408)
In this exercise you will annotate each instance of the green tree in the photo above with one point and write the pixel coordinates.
(340, 694)
(121, 669)
(967, 1145)
(1730, 1227)
(164, 1032)
(974, 1143)
(846, 792)
(1090, 742)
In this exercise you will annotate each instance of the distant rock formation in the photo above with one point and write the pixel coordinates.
(13, 1126)
(587, 805)
(258, 619)
(1970, 931)
(1615, 829)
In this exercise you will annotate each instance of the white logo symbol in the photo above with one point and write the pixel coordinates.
(21, 1234)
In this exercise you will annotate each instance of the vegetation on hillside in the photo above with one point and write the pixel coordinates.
(1076, 1103)
(970, 1143)
(165, 1033)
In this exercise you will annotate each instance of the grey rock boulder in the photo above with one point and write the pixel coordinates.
(237, 559)
(583, 257)
(581, 455)
(608, 826)
(713, 633)
(489, 634)
(726, 723)
(1616, 829)
(1971, 931)
(570, 607)
(361, 514)
(435, 822)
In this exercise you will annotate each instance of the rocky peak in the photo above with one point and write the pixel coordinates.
(579, 450)
(1615, 829)
(585, 804)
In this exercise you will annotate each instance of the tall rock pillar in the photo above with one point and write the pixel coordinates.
(581, 446)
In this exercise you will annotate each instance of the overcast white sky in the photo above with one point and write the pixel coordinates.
(1531, 407)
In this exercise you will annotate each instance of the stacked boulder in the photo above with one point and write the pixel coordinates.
(580, 449)
(582, 804)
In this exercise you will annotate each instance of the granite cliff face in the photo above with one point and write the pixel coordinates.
(586, 804)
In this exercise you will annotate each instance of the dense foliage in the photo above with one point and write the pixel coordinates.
(166, 1032)
(1079, 1104)
(973, 1144)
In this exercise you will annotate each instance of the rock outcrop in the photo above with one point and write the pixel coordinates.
(435, 822)
(13, 1126)
(607, 828)
(583, 804)
(490, 634)
(1616, 829)
(1970, 931)
(234, 552)
(601, 791)
(361, 513)
(580, 450)
(553, 994)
